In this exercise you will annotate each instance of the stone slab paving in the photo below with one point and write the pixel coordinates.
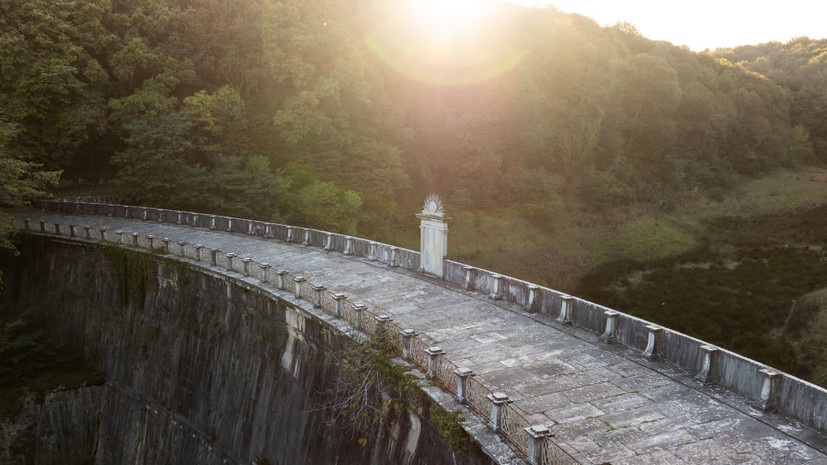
(603, 403)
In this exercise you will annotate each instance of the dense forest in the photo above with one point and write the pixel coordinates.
(343, 115)
(312, 110)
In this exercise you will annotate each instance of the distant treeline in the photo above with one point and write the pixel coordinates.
(303, 111)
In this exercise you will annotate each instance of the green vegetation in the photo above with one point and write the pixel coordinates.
(20, 182)
(646, 237)
(798, 67)
(806, 332)
(35, 362)
(312, 112)
(555, 244)
(371, 390)
(134, 272)
(216, 329)
(752, 273)
(450, 427)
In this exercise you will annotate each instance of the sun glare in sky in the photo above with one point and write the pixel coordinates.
(453, 42)
(702, 24)
(445, 19)
(444, 42)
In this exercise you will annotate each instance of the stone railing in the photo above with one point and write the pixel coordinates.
(493, 407)
(767, 389)
(374, 251)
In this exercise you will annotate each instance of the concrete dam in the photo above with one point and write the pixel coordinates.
(219, 351)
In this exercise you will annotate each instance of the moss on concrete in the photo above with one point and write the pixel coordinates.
(134, 272)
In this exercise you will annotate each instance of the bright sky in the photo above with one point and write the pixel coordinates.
(702, 24)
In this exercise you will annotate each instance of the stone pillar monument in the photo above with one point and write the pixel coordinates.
(433, 243)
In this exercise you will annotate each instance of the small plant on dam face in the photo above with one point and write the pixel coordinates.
(450, 427)
(216, 329)
(370, 387)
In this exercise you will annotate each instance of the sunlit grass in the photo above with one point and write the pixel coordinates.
(645, 238)
(556, 243)
(504, 241)
(784, 191)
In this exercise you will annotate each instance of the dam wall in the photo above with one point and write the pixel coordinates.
(202, 367)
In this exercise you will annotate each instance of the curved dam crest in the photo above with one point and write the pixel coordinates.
(611, 387)
(201, 368)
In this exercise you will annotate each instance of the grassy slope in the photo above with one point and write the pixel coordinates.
(559, 245)
(759, 251)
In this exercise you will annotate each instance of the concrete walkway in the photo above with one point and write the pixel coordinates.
(603, 403)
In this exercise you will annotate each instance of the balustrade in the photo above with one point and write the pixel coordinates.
(418, 355)
(348, 313)
(307, 293)
(511, 422)
(477, 399)
(513, 426)
(553, 454)
(445, 376)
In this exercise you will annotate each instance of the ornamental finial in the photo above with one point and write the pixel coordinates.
(432, 205)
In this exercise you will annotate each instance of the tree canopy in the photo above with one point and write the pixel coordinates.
(285, 108)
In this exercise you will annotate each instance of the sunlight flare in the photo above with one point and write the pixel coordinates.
(446, 19)
(449, 42)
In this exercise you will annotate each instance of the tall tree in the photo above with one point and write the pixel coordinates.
(51, 84)
(20, 182)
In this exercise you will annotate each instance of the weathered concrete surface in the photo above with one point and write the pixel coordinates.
(60, 430)
(68, 426)
(606, 403)
(202, 369)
